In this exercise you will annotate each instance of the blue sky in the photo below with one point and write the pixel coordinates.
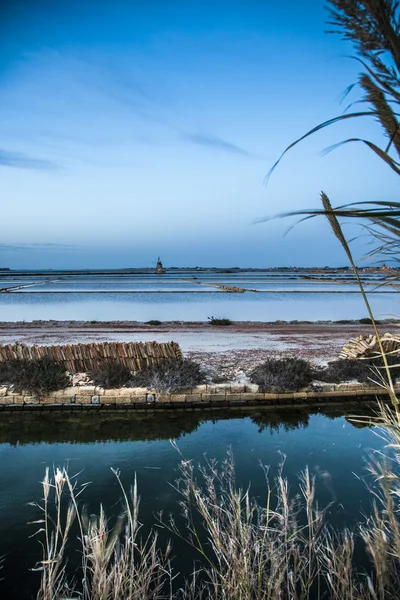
(136, 129)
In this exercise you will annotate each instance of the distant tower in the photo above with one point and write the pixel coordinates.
(159, 269)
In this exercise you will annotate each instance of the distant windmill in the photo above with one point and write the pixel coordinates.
(159, 269)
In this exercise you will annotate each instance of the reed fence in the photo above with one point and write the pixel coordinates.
(84, 357)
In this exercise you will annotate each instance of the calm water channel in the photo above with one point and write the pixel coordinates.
(323, 439)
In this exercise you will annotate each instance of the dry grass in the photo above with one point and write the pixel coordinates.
(116, 563)
(280, 548)
(248, 550)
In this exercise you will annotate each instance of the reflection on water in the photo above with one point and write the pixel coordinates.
(184, 296)
(52, 427)
(93, 442)
(183, 306)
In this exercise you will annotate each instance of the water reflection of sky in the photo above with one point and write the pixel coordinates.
(193, 307)
(281, 296)
(94, 443)
(170, 285)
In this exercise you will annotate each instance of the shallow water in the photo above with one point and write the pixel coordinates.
(193, 307)
(139, 443)
(177, 297)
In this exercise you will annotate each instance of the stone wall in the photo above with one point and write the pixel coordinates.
(203, 396)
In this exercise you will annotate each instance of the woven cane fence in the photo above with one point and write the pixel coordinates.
(79, 358)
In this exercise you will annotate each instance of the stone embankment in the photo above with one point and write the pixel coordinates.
(200, 397)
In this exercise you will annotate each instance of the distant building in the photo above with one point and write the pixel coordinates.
(159, 269)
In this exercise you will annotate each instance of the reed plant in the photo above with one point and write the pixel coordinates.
(116, 563)
(373, 27)
(277, 547)
(247, 549)
(281, 546)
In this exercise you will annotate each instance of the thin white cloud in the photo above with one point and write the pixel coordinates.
(211, 141)
(19, 160)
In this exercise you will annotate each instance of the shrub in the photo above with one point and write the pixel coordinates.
(111, 374)
(393, 362)
(362, 370)
(170, 375)
(153, 322)
(344, 369)
(220, 379)
(35, 376)
(367, 321)
(282, 374)
(219, 321)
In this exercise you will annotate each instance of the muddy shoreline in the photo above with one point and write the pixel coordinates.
(228, 352)
(192, 325)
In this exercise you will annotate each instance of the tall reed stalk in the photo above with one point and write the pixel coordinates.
(115, 562)
(277, 548)
(337, 230)
(373, 27)
(280, 548)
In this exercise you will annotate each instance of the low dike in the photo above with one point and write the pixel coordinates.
(200, 397)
